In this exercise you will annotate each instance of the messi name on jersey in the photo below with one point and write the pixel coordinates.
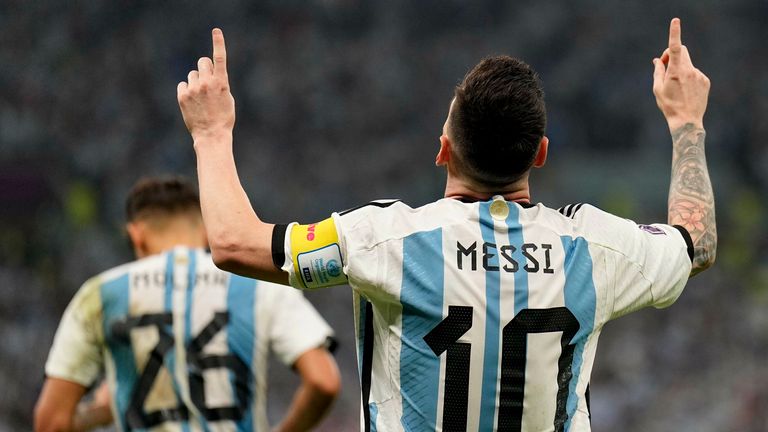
(530, 257)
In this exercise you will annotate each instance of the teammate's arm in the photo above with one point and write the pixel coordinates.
(94, 413)
(74, 362)
(55, 409)
(681, 93)
(320, 383)
(240, 242)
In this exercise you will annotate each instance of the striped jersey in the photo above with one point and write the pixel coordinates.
(485, 316)
(184, 345)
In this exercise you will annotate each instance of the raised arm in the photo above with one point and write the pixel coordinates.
(681, 93)
(240, 242)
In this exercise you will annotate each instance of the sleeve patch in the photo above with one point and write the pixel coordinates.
(652, 229)
(316, 254)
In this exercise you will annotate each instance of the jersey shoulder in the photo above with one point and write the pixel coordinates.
(384, 220)
(149, 263)
(392, 219)
(601, 228)
(585, 219)
(113, 273)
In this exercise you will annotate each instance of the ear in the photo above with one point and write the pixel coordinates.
(138, 235)
(444, 154)
(541, 155)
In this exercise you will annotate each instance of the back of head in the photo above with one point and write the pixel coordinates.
(497, 121)
(156, 200)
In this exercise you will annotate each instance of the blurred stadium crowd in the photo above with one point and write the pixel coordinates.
(342, 101)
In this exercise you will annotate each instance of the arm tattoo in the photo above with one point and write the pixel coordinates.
(691, 200)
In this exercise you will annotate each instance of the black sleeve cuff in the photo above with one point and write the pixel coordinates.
(278, 245)
(331, 344)
(687, 238)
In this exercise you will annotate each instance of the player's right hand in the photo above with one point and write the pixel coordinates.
(206, 103)
(681, 90)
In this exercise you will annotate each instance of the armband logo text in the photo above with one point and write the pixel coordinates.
(307, 274)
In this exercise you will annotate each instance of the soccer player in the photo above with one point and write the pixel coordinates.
(480, 311)
(184, 344)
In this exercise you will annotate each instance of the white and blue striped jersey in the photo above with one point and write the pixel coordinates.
(184, 345)
(485, 316)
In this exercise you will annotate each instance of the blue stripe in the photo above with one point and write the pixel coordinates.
(169, 282)
(241, 335)
(374, 415)
(492, 317)
(170, 357)
(191, 280)
(580, 299)
(421, 296)
(115, 304)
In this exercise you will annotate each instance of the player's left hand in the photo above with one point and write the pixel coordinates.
(206, 103)
(680, 88)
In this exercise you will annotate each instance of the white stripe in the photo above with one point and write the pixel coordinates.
(382, 392)
(147, 297)
(263, 308)
(207, 299)
(180, 268)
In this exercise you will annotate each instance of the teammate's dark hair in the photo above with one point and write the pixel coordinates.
(497, 120)
(161, 196)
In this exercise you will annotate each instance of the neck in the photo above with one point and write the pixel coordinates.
(462, 189)
(162, 245)
(166, 240)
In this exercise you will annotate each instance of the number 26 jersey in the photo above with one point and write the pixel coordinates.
(484, 316)
(184, 344)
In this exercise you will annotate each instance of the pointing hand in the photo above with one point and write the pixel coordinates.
(206, 103)
(681, 90)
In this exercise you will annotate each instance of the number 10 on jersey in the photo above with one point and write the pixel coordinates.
(444, 339)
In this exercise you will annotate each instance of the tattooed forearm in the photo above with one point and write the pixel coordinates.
(691, 201)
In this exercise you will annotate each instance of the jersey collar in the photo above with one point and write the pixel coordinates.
(470, 200)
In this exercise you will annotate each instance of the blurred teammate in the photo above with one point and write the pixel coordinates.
(480, 311)
(184, 344)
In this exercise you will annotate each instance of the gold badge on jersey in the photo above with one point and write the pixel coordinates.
(499, 208)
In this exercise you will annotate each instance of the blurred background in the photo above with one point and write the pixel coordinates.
(342, 101)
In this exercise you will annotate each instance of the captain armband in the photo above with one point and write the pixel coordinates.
(316, 255)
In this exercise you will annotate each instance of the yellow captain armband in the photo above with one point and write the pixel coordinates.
(316, 255)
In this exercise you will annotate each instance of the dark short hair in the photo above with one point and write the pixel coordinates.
(161, 196)
(497, 120)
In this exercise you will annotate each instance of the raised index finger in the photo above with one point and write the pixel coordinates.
(675, 42)
(219, 53)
